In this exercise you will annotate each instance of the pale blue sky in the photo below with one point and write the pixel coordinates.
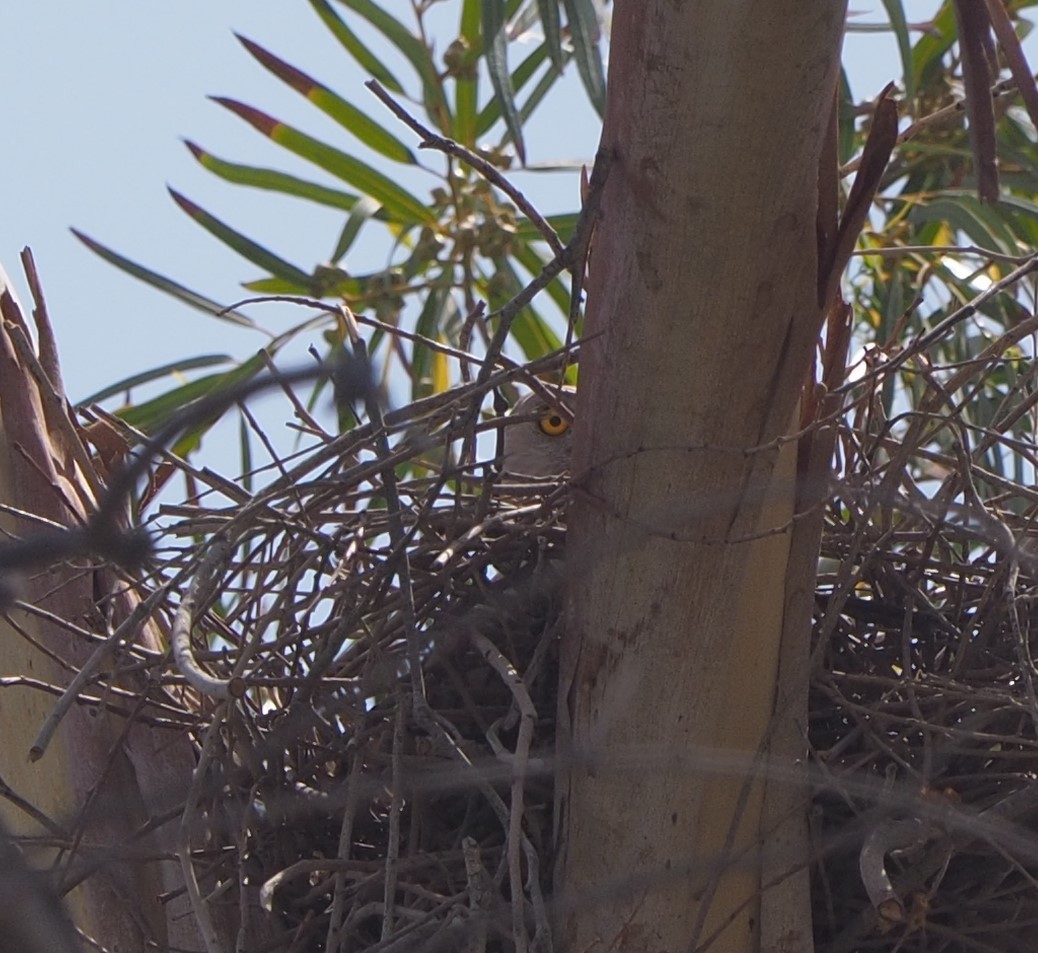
(98, 97)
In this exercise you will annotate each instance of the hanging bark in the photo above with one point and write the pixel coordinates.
(101, 778)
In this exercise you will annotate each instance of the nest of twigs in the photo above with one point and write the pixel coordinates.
(366, 656)
(374, 646)
(923, 710)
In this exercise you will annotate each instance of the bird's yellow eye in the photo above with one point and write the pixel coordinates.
(553, 425)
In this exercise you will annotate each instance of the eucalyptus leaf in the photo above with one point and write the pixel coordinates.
(583, 27)
(495, 43)
(167, 285)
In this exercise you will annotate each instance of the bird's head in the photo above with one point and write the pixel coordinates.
(538, 441)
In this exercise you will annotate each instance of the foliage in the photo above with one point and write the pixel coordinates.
(463, 242)
(940, 275)
(931, 247)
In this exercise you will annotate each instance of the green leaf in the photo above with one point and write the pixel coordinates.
(400, 205)
(325, 283)
(552, 26)
(564, 226)
(466, 75)
(495, 43)
(528, 257)
(415, 51)
(170, 287)
(526, 69)
(153, 414)
(846, 120)
(365, 209)
(245, 247)
(544, 85)
(271, 286)
(533, 335)
(983, 223)
(896, 13)
(1021, 215)
(933, 44)
(245, 443)
(367, 60)
(424, 369)
(344, 113)
(529, 331)
(331, 281)
(156, 373)
(583, 28)
(273, 181)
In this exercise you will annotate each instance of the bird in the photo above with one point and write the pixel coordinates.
(539, 441)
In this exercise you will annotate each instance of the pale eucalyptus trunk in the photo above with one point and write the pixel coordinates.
(100, 779)
(702, 314)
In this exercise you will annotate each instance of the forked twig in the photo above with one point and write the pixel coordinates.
(430, 140)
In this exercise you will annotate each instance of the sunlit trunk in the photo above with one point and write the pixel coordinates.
(99, 781)
(703, 311)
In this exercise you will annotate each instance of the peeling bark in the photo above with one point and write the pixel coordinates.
(100, 779)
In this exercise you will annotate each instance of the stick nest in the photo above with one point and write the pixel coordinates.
(923, 708)
(383, 662)
(368, 663)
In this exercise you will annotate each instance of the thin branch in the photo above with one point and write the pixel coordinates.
(125, 632)
(430, 140)
(199, 779)
(210, 572)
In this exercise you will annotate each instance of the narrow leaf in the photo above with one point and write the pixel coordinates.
(583, 28)
(273, 181)
(156, 373)
(245, 247)
(847, 120)
(365, 58)
(544, 85)
(534, 263)
(974, 40)
(170, 287)
(425, 373)
(533, 335)
(400, 205)
(153, 414)
(899, 24)
(344, 113)
(982, 223)
(245, 443)
(530, 331)
(327, 289)
(463, 60)
(523, 72)
(495, 45)
(552, 26)
(365, 209)
(565, 225)
(933, 44)
(414, 50)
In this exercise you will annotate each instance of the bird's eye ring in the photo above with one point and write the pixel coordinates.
(553, 425)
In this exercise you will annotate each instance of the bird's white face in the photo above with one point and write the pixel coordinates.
(540, 443)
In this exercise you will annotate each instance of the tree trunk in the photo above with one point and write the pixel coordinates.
(703, 311)
(101, 779)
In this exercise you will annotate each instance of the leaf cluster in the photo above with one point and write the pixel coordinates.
(931, 247)
(461, 242)
(939, 279)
